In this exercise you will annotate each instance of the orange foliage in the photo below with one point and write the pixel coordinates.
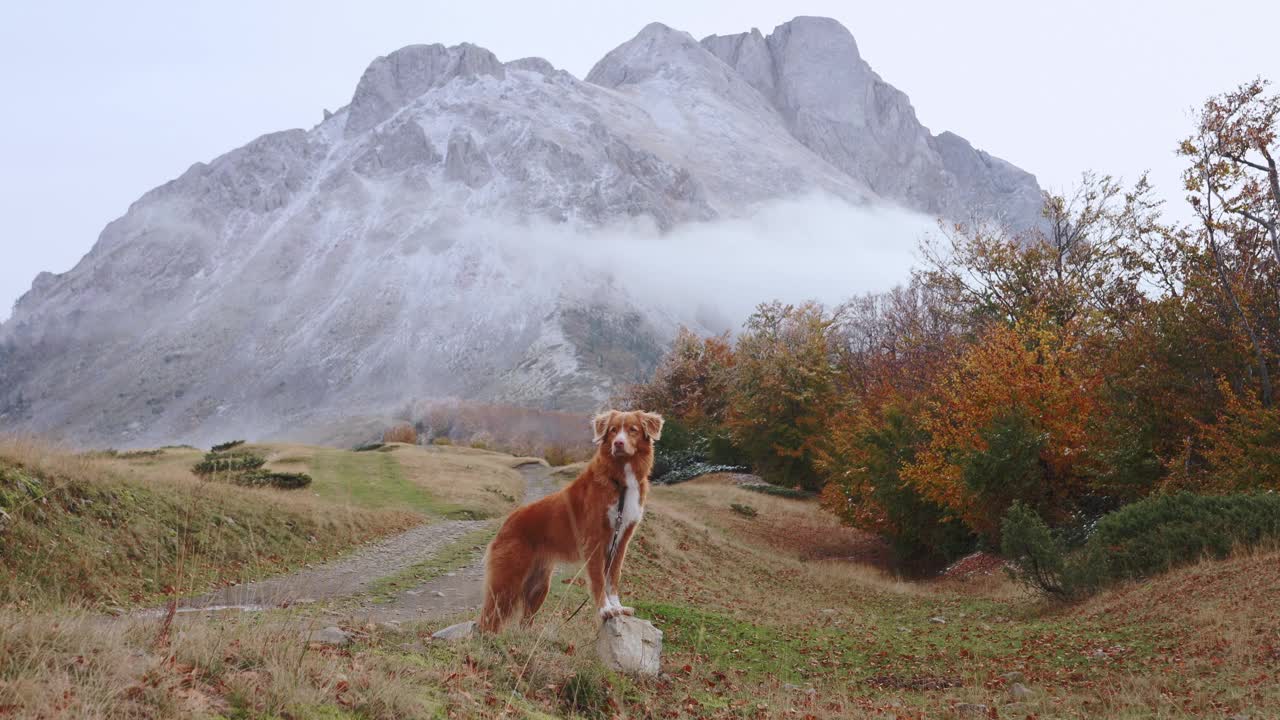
(402, 433)
(1032, 368)
(1240, 452)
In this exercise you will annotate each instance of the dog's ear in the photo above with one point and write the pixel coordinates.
(599, 425)
(652, 424)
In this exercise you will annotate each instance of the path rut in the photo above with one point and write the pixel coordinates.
(351, 577)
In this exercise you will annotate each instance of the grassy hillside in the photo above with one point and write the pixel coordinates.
(130, 528)
(785, 615)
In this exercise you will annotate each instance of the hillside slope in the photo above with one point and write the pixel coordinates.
(754, 624)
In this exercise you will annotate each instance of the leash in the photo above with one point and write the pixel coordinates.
(613, 548)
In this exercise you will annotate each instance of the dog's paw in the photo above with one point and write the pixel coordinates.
(625, 610)
(609, 612)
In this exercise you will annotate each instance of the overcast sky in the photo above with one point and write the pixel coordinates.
(103, 101)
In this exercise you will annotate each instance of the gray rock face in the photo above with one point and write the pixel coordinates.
(465, 162)
(383, 256)
(631, 645)
(810, 70)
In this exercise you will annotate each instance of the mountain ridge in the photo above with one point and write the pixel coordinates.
(392, 251)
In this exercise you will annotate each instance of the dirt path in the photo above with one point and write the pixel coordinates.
(351, 576)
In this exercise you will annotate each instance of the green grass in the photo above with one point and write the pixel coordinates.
(375, 480)
(455, 555)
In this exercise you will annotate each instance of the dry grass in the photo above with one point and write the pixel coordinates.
(763, 618)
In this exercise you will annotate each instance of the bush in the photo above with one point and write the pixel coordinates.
(1037, 557)
(215, 463)
(744, 510)
(402, 433)
(226, 446)
(558, 455)
(369, 446)
(778, 491)
(867, 489)
(442, 440)
(685, 453)
(269, 478)
(1140, 540)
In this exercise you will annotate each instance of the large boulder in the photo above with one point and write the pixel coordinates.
(631, 645)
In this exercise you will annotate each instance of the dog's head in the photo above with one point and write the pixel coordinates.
(623, 435)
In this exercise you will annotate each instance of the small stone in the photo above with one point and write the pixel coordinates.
(1239, 716)
(1012, 677)
(789, 686)
(938, 620)
(437, 593)
(1020, 691)
(971, 709)
(413, 592)
(629, 644)
(331, 636)
(461, 631)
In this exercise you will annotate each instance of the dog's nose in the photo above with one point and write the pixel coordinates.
(618, 444)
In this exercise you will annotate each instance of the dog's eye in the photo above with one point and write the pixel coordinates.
(635, 429)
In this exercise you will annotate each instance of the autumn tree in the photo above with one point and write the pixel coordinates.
(1009, 422)
(691, 384)
(784, 389)
(1234, 187)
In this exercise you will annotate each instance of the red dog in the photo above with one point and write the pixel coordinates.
(591, 519)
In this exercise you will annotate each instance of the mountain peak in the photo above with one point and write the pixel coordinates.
(653, 49)
(393, 81)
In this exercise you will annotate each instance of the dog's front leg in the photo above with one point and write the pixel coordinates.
(615, 573)
(596, 577)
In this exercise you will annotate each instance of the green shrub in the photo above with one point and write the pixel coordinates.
(369, 446)
(685, 453)
(234, 462)
(270, 478)
(226, 446)
(139, 454)
(744, 510)
(765, 488)
(1037, 556)
(1140, 540)
(1162, 532)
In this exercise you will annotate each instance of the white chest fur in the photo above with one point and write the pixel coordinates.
(632, 511)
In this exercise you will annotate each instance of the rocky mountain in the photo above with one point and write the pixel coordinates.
(420, 241)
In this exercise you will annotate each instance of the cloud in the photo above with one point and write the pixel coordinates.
(815, 247)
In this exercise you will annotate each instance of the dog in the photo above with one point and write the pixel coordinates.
(592, 520)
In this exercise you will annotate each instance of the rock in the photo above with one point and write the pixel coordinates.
(331, 635)
(461, 631)
(939, 620)
(1020, 691)
(1012, 677)
(629, 644)
(437, 593)
(465, 161)
(971, 709)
